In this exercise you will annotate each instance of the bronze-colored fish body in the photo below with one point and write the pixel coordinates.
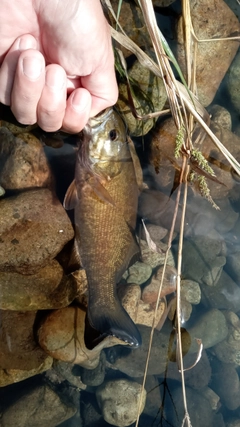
(105, 196)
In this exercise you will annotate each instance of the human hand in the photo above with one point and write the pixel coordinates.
(43, 43)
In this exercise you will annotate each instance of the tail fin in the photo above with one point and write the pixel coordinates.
(113, 322)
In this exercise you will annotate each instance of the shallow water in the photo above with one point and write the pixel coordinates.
(40, 314)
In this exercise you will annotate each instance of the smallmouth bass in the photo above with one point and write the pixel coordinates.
(104, 196)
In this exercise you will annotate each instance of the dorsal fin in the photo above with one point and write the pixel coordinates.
(71, 197)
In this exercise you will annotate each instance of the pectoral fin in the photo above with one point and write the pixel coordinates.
(71, 197)
(100, 191)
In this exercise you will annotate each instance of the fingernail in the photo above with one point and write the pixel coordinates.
(55, 81)
(32, 67)
(27, 43)
(79, 101)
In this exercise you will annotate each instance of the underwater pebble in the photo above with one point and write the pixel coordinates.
(157, 233)
(210, 327)
(221, 116)
(150, 292)
(190, 291)
(130, 296)
(119, 401)
(40, 406)
(145, 313)
(199, 408)
(224, 295)
(228, 351)
(34, 227)
(213, 59)
(24, 162)
(203, 258)
(233, 81)
(94, 377)
(48, 288)
(226, 384)
(154, 259)
(138, 273)
(212, 397)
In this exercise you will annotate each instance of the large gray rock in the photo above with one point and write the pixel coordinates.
(34, 227)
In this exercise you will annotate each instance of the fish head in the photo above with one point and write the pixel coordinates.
(108, 138)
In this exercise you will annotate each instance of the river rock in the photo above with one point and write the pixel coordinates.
(226, 384)
(204, 258)
(38, 407)
(190, 291)
(213, 58)
(23, 163)
(95, 377)
(119, 401)
(233, 80)
(224, 295)
(61, 335)
(11, 376)
(155, 259)
(34, 227)
(48, 288)
(162, 159)
(233, 266)
(210, 327)
(150, 292)
(149, 96)
(221, 116)
(18, 348)
(62, 372)
(200, 411)
(138, 273)
(228, 351)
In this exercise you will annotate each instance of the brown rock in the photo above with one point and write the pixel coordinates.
(38, 407)
(11, 376)
(61, 335)
(46, 289)
(23, 163)
(150, 292)
(34, 227)
(213, 58)
(18, 348)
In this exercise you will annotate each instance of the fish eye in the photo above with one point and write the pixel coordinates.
(113, 134)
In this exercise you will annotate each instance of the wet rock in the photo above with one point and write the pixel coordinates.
(23, 163)
(198, 377)
(130, 296)
(62, 372)
(138, 273)
(46, 289)
(226, 384)
(18, 348)
(200, 412)
(133, 24)
(213, 58)
(149, 96)
(204, 258)
(190, 291)
(95, 377)
(233, 79)
(224, 295)
(212, 398)
(133, 364)
(150, 292)
(235, 422)
(211, 328)
(228, 351)
(11, 376)
(233, 266)
(157, 233)
(34, 228)
(61, 335)
(155, 259)
(38, 407)
(221, 116)
(162, 159)
(153, 398)
(119, 401)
